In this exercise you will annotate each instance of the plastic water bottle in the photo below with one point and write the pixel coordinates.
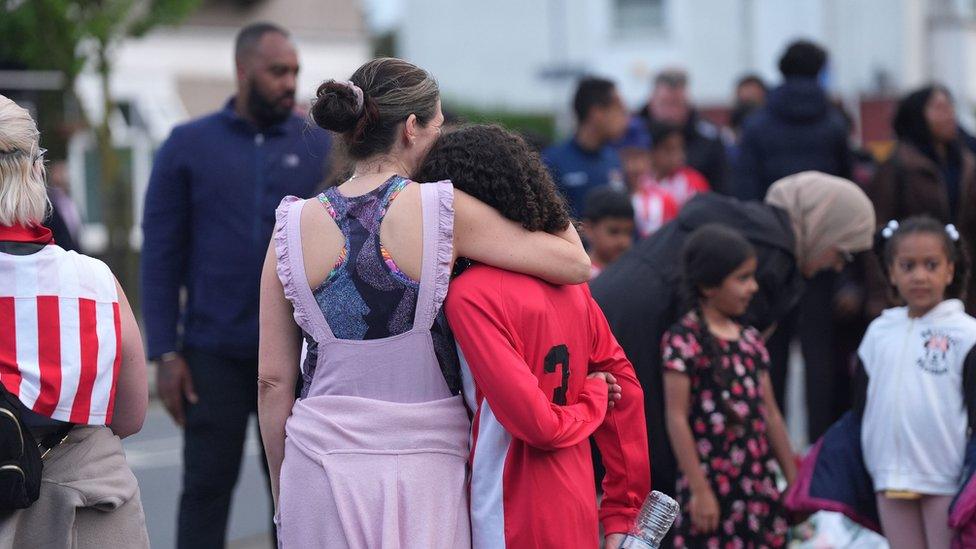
(655, 519)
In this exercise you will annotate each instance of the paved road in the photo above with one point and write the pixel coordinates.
(156, 457)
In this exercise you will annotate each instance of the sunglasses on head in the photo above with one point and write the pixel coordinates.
(37, 156)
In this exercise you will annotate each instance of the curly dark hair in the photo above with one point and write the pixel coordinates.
(499, 168)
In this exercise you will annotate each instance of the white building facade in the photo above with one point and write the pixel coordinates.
(504, 53)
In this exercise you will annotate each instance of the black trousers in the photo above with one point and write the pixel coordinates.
(213, 445)
(827, 373)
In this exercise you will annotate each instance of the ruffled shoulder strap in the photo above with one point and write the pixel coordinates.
(437, 201)
(291, 268)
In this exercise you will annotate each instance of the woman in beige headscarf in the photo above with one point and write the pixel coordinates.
(828, 227)
(811, 222)
(830, 222)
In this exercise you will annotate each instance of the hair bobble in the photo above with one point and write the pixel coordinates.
(891, 227)
(953, 233)
(357, 91)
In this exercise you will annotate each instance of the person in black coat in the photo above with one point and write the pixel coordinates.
(810, 222)
(796, 130)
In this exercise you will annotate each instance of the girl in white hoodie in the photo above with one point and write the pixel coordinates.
(916, 358)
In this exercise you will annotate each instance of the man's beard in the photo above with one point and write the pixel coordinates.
(266, 112)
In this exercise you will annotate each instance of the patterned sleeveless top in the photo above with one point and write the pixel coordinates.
(366, 296)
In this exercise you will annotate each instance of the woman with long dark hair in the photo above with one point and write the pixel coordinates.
(930, 172)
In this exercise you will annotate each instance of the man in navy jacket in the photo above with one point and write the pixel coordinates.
(209, 213)
(797, 130)
(587, 160)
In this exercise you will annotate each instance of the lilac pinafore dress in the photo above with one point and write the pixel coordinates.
(375, 453)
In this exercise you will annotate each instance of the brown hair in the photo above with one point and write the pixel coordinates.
(393, 89)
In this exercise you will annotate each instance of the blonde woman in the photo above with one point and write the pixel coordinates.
(71, 354)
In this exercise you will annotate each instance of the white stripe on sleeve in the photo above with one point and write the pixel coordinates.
(105, 314)
(27, 359)
(70, 356)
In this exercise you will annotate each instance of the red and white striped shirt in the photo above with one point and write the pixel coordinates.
(653, 207)
(684, 184)
(60, 334)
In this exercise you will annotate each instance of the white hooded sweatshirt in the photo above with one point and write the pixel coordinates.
(914, 429)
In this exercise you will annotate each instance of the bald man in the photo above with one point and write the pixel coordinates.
(209, 213)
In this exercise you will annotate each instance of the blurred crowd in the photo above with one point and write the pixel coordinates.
(626, 174)
(712, 252)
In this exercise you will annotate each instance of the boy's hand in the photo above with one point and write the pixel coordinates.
(613, 541)
(614, 391)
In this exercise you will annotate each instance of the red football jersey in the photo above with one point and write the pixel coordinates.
(527, 347)
(653, 207)
(684, 184)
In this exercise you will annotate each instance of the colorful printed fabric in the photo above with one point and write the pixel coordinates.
(727, 420)
(327, 204)
(366, 295)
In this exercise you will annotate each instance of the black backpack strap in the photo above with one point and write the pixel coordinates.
(47, 442)
(53, 440)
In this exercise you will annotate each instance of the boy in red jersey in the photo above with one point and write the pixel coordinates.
(670, 169)
(541, 370)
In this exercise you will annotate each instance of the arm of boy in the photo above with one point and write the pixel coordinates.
(622, 437)
(486, 338)
(779, 439)
(703, 506)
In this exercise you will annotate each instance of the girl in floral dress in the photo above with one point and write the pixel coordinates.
(723, 422)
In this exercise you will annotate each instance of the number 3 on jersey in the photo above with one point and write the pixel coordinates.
(558, 356)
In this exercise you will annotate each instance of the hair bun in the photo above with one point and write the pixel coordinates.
(336, 107)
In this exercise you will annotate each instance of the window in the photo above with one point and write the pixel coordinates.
(634, 17)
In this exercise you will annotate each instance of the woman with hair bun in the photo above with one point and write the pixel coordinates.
(377, 443)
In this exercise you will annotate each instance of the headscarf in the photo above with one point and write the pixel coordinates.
(827, 212)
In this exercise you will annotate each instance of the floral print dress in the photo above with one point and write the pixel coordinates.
(727, 419)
